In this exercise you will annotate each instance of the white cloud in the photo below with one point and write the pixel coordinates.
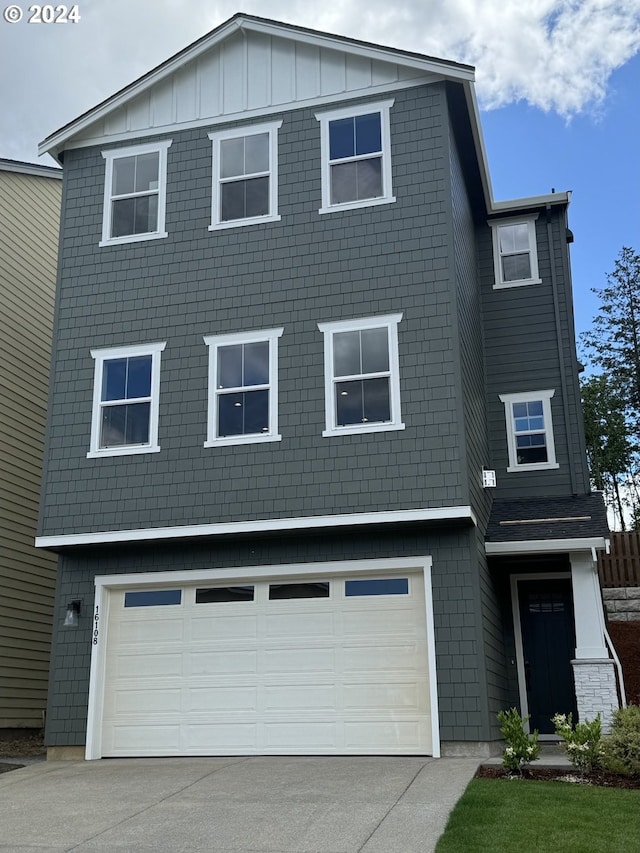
(556, 55)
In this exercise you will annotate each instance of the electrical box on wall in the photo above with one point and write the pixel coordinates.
(489, 479)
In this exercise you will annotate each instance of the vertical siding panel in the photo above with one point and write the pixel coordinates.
(29, 221)
(259, 78)
(282, 71)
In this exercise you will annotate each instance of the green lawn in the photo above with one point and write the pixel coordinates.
(517, 816)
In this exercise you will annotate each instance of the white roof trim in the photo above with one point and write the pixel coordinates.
(55, 142)
(563, 197)
(545, 546)
(265, 525)
(30, 169)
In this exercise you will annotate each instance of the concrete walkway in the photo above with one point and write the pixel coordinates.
(231, 805)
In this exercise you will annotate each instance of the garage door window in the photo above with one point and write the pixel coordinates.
(278, 591)
(225, 593)
(379, 586)
(153, 598)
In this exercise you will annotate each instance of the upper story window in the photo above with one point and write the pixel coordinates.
(362, 384)
(356, 157)
(515, 253)
(529, 431)
(125, 400)
(245, 176)
(243, 387)
(135, 193)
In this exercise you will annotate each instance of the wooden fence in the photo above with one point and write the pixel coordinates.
(622, 566)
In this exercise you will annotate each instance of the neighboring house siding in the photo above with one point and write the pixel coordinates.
(295, 273)
(454, 594)
(523, 354)
(29, 223)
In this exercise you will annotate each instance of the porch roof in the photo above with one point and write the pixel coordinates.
(570, 517)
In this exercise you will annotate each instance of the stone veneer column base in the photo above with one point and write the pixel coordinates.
(596, 692)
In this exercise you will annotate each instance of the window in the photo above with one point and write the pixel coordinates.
(243, 387)
(153, 598)
(245, 176)
(529, 431)
(356, 157)
(125, 400)
(134, 193)
(362, 388)
(219, 594)
(282, 591)
(379, 586)
(514, 252)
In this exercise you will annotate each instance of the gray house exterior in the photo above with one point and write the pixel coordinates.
(295, 337)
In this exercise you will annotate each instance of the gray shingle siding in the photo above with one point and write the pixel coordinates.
(522, 353)
(294, 273)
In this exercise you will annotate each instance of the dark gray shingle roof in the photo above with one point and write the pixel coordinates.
(570, 517)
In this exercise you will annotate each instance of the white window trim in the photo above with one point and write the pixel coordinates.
(495, 225)
(132, 151)
(389, 322)
(529, 397)
(387, 197)
(102, 355)
(216, 138)
(215, 341)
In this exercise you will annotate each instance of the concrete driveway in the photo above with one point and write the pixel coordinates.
(231, 805)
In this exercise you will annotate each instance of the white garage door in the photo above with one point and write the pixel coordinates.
(323, 666)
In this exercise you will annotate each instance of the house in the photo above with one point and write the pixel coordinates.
(29, 222)
(296, 342)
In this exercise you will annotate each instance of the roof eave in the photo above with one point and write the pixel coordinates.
(55, 142)
(545, 546)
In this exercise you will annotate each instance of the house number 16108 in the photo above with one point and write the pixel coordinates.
(96, 619)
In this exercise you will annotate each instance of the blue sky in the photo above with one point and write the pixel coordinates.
(596, 156)
(558, 82)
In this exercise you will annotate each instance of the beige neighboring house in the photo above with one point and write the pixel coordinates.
(30, 198)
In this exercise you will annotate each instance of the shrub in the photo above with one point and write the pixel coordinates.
(520, 747)
(583, 743)
(622, 748)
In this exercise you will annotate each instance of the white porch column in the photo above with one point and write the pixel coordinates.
(593, 669)
(587, 606)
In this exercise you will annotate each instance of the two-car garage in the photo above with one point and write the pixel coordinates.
(252, 662)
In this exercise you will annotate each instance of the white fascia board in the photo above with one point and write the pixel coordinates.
(478, 138)
(447, 513)
(545, 546)
(31, 169)
(516, 204)
(379, 53)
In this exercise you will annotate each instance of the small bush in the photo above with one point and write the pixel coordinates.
(583, 743)
(621, 752)
(520, 747)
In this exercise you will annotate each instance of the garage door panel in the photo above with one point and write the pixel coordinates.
(232, 698)
(148, 631)
(230, 737)
(296, 625)
(330, 675)
(308, 735)
(141, 665)
(297, 660)
(386, 658)
(210, 625)
(404, 696)
(300, 697)
(390, 734)
(224, 662)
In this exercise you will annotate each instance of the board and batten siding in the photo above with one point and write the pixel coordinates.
(29, 223)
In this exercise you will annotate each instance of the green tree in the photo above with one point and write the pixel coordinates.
(614, 341)
(609, 447)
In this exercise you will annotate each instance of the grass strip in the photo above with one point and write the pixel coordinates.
(505, 816)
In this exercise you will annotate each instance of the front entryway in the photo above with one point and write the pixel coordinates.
(313, 665)
(548, 645)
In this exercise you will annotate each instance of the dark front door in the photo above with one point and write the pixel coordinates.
(548, 643)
